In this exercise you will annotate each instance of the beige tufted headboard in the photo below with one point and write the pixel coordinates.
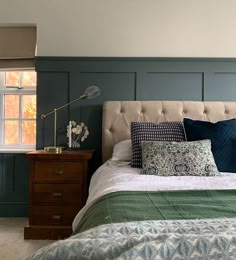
(117, 116)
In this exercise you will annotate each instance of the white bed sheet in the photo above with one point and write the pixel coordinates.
(115, 176)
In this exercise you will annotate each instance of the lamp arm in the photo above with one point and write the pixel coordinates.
(43, 116)
(54, 111)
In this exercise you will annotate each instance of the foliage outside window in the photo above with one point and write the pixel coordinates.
(18, 109)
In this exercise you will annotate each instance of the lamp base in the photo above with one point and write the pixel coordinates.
(54, 149)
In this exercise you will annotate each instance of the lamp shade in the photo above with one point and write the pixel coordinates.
(92, 92)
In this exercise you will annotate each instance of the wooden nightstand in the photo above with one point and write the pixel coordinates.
(58, 190)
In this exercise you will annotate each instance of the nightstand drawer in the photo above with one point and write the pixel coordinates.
(53, 215)
(58, 170)
(63, 193)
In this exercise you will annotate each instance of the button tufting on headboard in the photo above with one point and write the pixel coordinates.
(117, 116)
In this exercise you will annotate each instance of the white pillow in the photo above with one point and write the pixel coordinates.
(122, 151)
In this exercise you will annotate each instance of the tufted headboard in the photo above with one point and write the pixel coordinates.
(117, 116)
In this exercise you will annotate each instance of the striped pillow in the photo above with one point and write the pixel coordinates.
(148, 131)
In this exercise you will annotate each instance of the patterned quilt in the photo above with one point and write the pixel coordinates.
(162, 239)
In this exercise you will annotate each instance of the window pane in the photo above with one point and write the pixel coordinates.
(29, 79)
(28, 132)
(28, 106)
(11, 132)
(11, 106)
(12, 78)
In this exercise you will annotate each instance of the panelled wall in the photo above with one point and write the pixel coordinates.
(62, 79)
(14, 185)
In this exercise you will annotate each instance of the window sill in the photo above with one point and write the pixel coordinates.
(2, 150)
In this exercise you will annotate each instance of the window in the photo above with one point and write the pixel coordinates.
(18, 109)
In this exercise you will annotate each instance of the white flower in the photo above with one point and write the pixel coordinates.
(79, 127)
(73, 123)
(86, 133)
(74, 130)
(79, 132)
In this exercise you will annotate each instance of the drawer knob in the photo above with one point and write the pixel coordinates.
(56, 194)
(59, 171)
(56, 217)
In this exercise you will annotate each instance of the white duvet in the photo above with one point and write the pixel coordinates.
(119, 176)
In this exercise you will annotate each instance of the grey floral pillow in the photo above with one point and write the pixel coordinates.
(178, 158)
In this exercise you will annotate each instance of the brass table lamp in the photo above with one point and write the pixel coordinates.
(90, 92)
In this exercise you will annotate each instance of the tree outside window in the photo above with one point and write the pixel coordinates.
(18, 95)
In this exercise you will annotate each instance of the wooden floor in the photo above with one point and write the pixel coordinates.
(12, 243)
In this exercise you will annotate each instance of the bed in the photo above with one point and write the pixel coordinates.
(129, 215)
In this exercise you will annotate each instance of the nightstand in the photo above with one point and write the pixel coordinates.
(58, 190)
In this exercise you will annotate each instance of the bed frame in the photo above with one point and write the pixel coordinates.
(117, 116)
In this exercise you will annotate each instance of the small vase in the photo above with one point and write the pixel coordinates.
(75, 145)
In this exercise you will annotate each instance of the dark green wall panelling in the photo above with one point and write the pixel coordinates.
(224, 86)
(14, 185)
(171, 86)
(55, 92)
(62, 79)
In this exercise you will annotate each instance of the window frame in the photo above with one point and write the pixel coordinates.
(17, 91)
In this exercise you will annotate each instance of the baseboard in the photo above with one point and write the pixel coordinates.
(14, 209)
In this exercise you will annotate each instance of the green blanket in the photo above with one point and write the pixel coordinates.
(130, 206)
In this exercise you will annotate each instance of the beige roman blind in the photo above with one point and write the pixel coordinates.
(17, 47)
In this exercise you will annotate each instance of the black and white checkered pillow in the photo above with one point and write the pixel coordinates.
(148, 131)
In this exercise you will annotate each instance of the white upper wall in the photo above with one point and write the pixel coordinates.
(128, 28)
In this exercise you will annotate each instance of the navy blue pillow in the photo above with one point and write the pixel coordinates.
(223, 140)
(150, 131)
